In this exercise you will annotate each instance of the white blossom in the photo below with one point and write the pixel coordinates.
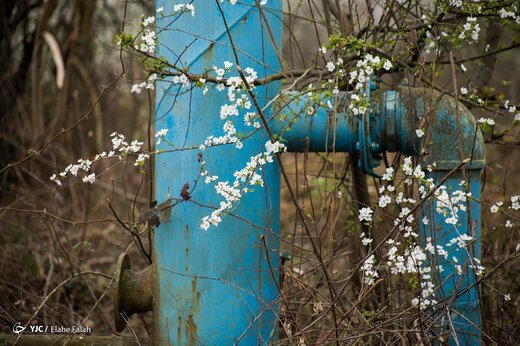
(365, 214)
(89, 178)
(330, 66)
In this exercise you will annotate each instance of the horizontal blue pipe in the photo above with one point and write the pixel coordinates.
(393, 118)
(319, 131)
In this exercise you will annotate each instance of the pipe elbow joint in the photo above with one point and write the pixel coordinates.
(451, 133)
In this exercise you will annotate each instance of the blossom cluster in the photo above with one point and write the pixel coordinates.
(499, 207)
(512, 108)
(233, 2)
(370, 274)
(470, 30)
(149, 42)
(512, 13)
(238, 103)
(179, 8)
(360, 79)
(449, 204)
(409, 257)
(238, 100)
(487, 121)
(232, 193)
(149, 84)
(414, 261)
(121, 149)
(148, 37)
(456, 3)
(160, 135)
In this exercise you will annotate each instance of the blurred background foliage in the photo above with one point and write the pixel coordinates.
(39, 252)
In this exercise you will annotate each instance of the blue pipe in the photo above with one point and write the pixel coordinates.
(455, 136)
(386, 128)
(214, 287)
(463, 325)
(318, 132)
(391, 127)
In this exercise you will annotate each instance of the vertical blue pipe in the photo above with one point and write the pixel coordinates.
(460, 324)
(453, 135)
(214, 287)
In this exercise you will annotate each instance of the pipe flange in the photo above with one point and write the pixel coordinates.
(120, 318)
